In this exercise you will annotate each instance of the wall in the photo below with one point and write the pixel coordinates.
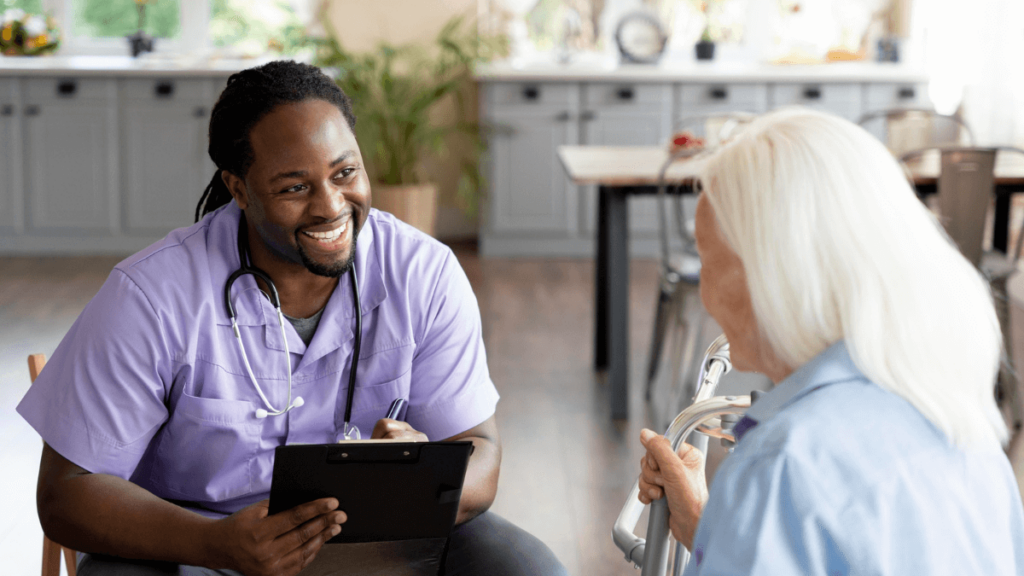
(361, 25)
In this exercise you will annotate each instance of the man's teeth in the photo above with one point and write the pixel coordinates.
(327, 236)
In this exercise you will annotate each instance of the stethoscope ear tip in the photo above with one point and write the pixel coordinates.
(298, 402)
(261, 413)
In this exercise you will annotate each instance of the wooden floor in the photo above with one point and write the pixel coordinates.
(567, 467)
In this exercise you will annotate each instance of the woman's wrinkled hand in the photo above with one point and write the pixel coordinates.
(680, 477)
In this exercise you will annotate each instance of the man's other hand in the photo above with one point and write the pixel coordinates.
(388, 429)
(257, 544)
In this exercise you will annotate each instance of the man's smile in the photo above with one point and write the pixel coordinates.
(330, 237)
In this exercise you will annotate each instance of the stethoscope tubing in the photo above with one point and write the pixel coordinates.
(245, 268)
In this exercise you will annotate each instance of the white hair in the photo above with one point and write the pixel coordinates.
(836, 246)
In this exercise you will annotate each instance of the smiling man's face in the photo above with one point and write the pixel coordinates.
(306, 194)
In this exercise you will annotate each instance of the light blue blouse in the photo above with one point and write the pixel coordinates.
(834, 475)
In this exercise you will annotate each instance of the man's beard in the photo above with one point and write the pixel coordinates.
(335, 270)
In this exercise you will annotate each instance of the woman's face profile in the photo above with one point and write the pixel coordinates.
(724, 291)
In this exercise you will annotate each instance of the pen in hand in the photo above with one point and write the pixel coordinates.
(396, 408)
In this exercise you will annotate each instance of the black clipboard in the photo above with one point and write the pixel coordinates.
(389, 490)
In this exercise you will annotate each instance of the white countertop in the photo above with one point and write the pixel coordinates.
(698, 72)
(147, 65)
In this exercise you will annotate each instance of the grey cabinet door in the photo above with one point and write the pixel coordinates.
(530, 191)
(70, 148)
(11, 209)
(843, 99)
(621, 128)
(166, 166)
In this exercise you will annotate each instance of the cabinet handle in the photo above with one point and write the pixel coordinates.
(625, 93)
(67, 88)
(563, 116)
(7, 110)
(531, 93)
(31, 110)
(812, 93)
(588, 115)
(718, 93)
(199, 112)
(164, 90)
(907, 93)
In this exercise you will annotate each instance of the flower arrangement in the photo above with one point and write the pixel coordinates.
(24, 34)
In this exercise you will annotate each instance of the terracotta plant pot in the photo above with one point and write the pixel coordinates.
(414, 204)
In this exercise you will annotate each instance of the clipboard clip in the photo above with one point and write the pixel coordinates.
(373, 453)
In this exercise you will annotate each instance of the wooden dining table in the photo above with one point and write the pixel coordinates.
(623, 171)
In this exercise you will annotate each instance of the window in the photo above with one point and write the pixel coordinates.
(250, 26)
(120, 18)
(239, 27)
(28, 6)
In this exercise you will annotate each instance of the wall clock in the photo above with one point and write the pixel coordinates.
(641, 38)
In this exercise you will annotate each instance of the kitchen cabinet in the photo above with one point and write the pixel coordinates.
(841, 99)
(10, 158)
(70, 142)
(532, 210)
(166, 166)
(533, 121)
(625, 115)
(101, 164)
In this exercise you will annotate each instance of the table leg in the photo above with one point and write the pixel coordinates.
(612, 290)
(601, 285)
(1001, 223)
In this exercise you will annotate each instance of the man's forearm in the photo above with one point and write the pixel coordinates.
(99, 513)
(481, 484)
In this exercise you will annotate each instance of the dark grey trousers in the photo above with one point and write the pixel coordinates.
(486, 545)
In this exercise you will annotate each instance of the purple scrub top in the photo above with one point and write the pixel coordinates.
(149, 383)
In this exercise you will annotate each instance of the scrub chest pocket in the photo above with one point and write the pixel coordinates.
(208, 439)
(214, 449)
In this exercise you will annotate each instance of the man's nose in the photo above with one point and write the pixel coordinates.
(328, 202)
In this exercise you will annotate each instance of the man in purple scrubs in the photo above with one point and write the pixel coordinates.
(159, 449)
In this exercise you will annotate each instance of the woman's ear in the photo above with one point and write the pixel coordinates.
(236, 186)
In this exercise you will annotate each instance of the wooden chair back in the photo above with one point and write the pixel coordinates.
(51, 550)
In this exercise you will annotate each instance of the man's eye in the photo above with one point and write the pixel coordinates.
(296, 188)
(345, 173)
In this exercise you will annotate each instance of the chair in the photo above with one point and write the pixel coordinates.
(51, 550)
(966, 187)
(678, 312)
(906, 129)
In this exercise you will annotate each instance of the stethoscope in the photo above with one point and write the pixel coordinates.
(350, 432)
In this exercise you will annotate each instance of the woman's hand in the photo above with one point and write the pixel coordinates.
(680, 477)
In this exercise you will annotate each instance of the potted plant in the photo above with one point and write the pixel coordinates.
(24, 34)
(705, 47)
(395, 91)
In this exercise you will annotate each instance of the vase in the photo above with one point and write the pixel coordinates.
(888, 49)
(414, 204)
(705, 50)
(139, 42)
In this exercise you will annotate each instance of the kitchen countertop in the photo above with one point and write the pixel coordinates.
(595, 71)
(146, 66)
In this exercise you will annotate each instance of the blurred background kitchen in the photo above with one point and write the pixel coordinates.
(104, 106)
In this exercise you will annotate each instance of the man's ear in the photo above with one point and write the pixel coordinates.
(236, 186)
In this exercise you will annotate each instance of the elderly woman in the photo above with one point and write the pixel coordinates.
(878, 449)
